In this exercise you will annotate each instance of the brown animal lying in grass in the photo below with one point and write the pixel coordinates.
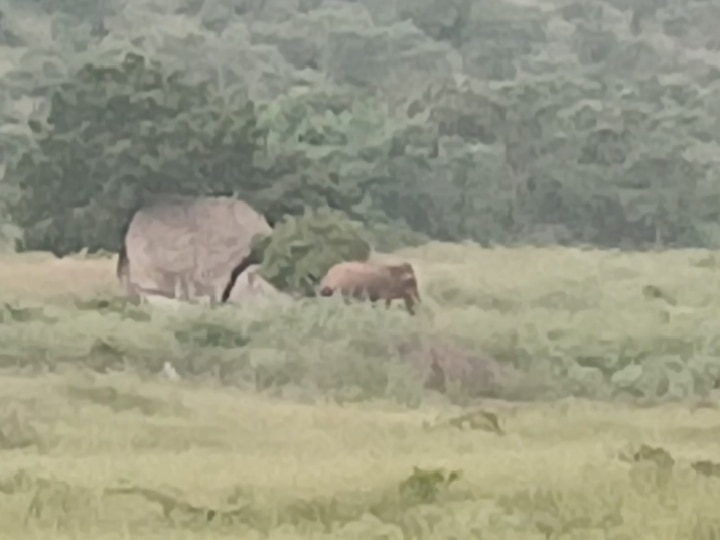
(373, 281)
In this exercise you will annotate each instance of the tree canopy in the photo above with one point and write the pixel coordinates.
(502, 121)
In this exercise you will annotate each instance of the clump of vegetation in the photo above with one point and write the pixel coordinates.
(302, 249)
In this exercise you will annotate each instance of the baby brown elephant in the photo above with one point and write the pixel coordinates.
(373, 281)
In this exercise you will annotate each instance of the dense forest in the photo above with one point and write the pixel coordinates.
(499, 121)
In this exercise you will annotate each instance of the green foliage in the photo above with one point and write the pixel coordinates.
(500, 122)
(553, 513)
(303, 248)
(387, 238)
(235, 348)
(201, 334)
(601, 338)
(406, 494)
(116, 400)
(116, 133)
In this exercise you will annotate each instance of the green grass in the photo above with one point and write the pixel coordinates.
(308, 421)
(328, 471)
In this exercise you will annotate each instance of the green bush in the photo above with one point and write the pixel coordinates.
(322, 347)
(303, 248)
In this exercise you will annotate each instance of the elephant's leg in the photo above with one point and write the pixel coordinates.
(409, 305)
(182, 287)
(212, 295)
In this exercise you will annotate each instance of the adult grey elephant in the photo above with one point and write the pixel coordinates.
(188, 247)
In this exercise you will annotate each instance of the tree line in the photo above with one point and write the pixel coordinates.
(588, 122)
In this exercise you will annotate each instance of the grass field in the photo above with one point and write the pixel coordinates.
(306, 421)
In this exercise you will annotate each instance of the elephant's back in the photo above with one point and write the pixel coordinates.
(352, 274)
